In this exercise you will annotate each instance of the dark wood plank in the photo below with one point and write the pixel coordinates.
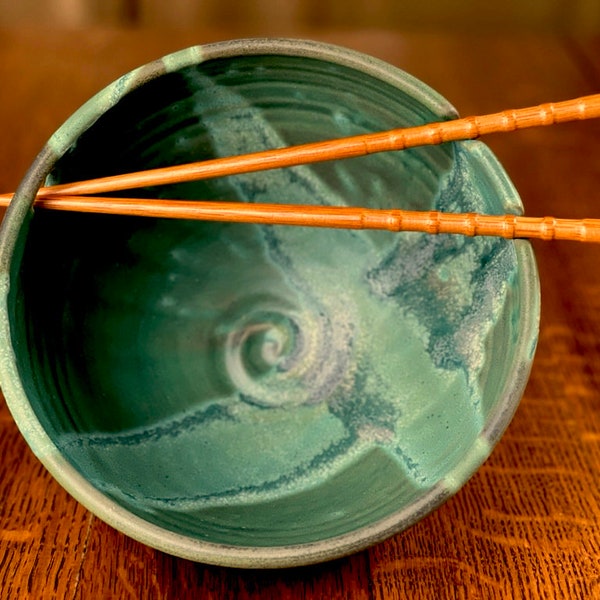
(43, 532)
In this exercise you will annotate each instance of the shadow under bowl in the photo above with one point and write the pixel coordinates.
(261, 396)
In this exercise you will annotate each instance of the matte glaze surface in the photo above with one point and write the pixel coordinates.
(268, 386)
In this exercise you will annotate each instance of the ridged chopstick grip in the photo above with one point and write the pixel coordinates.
(506, 226)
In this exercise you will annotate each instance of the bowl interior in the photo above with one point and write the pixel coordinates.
(267, 386)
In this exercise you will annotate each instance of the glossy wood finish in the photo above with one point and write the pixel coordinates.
(528, 524)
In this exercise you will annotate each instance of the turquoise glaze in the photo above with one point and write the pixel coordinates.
(253, 395)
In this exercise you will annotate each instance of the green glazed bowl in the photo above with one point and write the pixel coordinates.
(260, 396)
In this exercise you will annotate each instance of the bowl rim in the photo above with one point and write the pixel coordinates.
(108, 510)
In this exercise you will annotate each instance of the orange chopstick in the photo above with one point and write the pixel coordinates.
(587, 107)
(68, 196)
(433, 222)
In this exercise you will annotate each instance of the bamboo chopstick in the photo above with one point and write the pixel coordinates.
(586, 107)
(68, 196)
(433, 222)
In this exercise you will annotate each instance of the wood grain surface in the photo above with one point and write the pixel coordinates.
(527, 525)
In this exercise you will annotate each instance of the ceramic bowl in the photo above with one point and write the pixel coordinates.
(260, 396)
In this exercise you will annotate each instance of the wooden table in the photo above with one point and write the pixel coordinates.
(527, 525)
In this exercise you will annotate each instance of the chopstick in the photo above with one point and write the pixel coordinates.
(69, 196)
(433, 222)
(586, 107)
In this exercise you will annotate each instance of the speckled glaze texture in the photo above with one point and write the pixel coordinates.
(263, 396)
